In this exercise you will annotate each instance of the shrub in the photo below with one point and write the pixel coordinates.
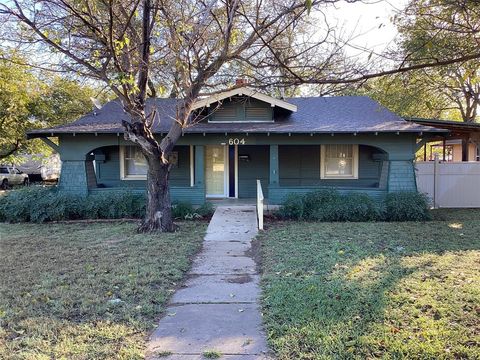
(54, 206)
(39, 204)
(350, 207)
(114, 205)
(329, 205)
(185, 210)
(315, 202)
(292, 207)
(407, 206)
(16, 206)
(182, 210)
(206, 210)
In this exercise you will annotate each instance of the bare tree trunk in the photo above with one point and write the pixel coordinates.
(158, 215)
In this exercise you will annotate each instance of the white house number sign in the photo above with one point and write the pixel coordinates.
(236, 141)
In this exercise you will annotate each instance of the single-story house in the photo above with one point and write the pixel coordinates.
(460, 144)
(453, 151)
(293, 145)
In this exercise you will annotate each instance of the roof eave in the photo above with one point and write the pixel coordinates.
(206, 102)
(447, 125)
(56, 133)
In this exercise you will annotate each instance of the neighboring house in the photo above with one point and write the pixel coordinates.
(38, 167)
(454, 151)
(460, 144)
(295, 145)
(456, 146)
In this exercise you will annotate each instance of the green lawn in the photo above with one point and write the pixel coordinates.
(86, 290)
(374, 290)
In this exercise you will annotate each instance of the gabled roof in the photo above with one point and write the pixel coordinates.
(342, 114)
(246, 91)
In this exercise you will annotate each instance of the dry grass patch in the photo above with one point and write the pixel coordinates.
(86, 290)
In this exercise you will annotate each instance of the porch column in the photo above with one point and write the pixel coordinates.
(465, 148)
(73, 177)
(200, 166)
(401, 176)
(274, 175)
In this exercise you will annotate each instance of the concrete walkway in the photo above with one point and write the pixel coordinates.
(217, 310)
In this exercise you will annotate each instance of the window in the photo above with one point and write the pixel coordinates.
(339, 162)
(133, 164)
(4, 170)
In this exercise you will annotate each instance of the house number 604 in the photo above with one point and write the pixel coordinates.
(236, 141)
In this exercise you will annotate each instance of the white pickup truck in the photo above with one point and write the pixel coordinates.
(11, 176)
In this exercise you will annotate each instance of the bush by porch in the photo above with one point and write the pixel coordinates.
(330, 205)
(41, 204)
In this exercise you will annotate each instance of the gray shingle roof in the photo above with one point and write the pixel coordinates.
(315, 115)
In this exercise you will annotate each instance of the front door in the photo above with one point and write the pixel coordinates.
(215, 171)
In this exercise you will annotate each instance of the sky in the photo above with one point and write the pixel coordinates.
(371, 19)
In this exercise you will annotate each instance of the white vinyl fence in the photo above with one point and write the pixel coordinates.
(260, 200)
(450, 184)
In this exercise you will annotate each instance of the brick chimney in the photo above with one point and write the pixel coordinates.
(240, 82)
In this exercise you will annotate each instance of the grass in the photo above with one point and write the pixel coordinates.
(212, 354)
(86, 290)
(374, 290)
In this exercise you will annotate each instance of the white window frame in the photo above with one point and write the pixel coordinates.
(123, 175)
(323, 163)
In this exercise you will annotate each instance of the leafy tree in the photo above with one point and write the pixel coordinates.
(408, 95)
(64, 100)
(17, 89)
(435, 29)
(28, 102)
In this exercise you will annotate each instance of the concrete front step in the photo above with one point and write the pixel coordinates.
(219, 289)
(226, 328)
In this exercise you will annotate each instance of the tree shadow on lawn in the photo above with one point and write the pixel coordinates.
(86, 291)
(402, 290)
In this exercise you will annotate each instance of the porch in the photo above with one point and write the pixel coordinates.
(228, 173)
(217, 170)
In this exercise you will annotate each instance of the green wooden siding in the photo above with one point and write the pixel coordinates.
(249, 171)
(73, 178)
(108, 171)
(242, 110)
(300, 166)
(283, 172)
(193, 195)
(402, 176)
